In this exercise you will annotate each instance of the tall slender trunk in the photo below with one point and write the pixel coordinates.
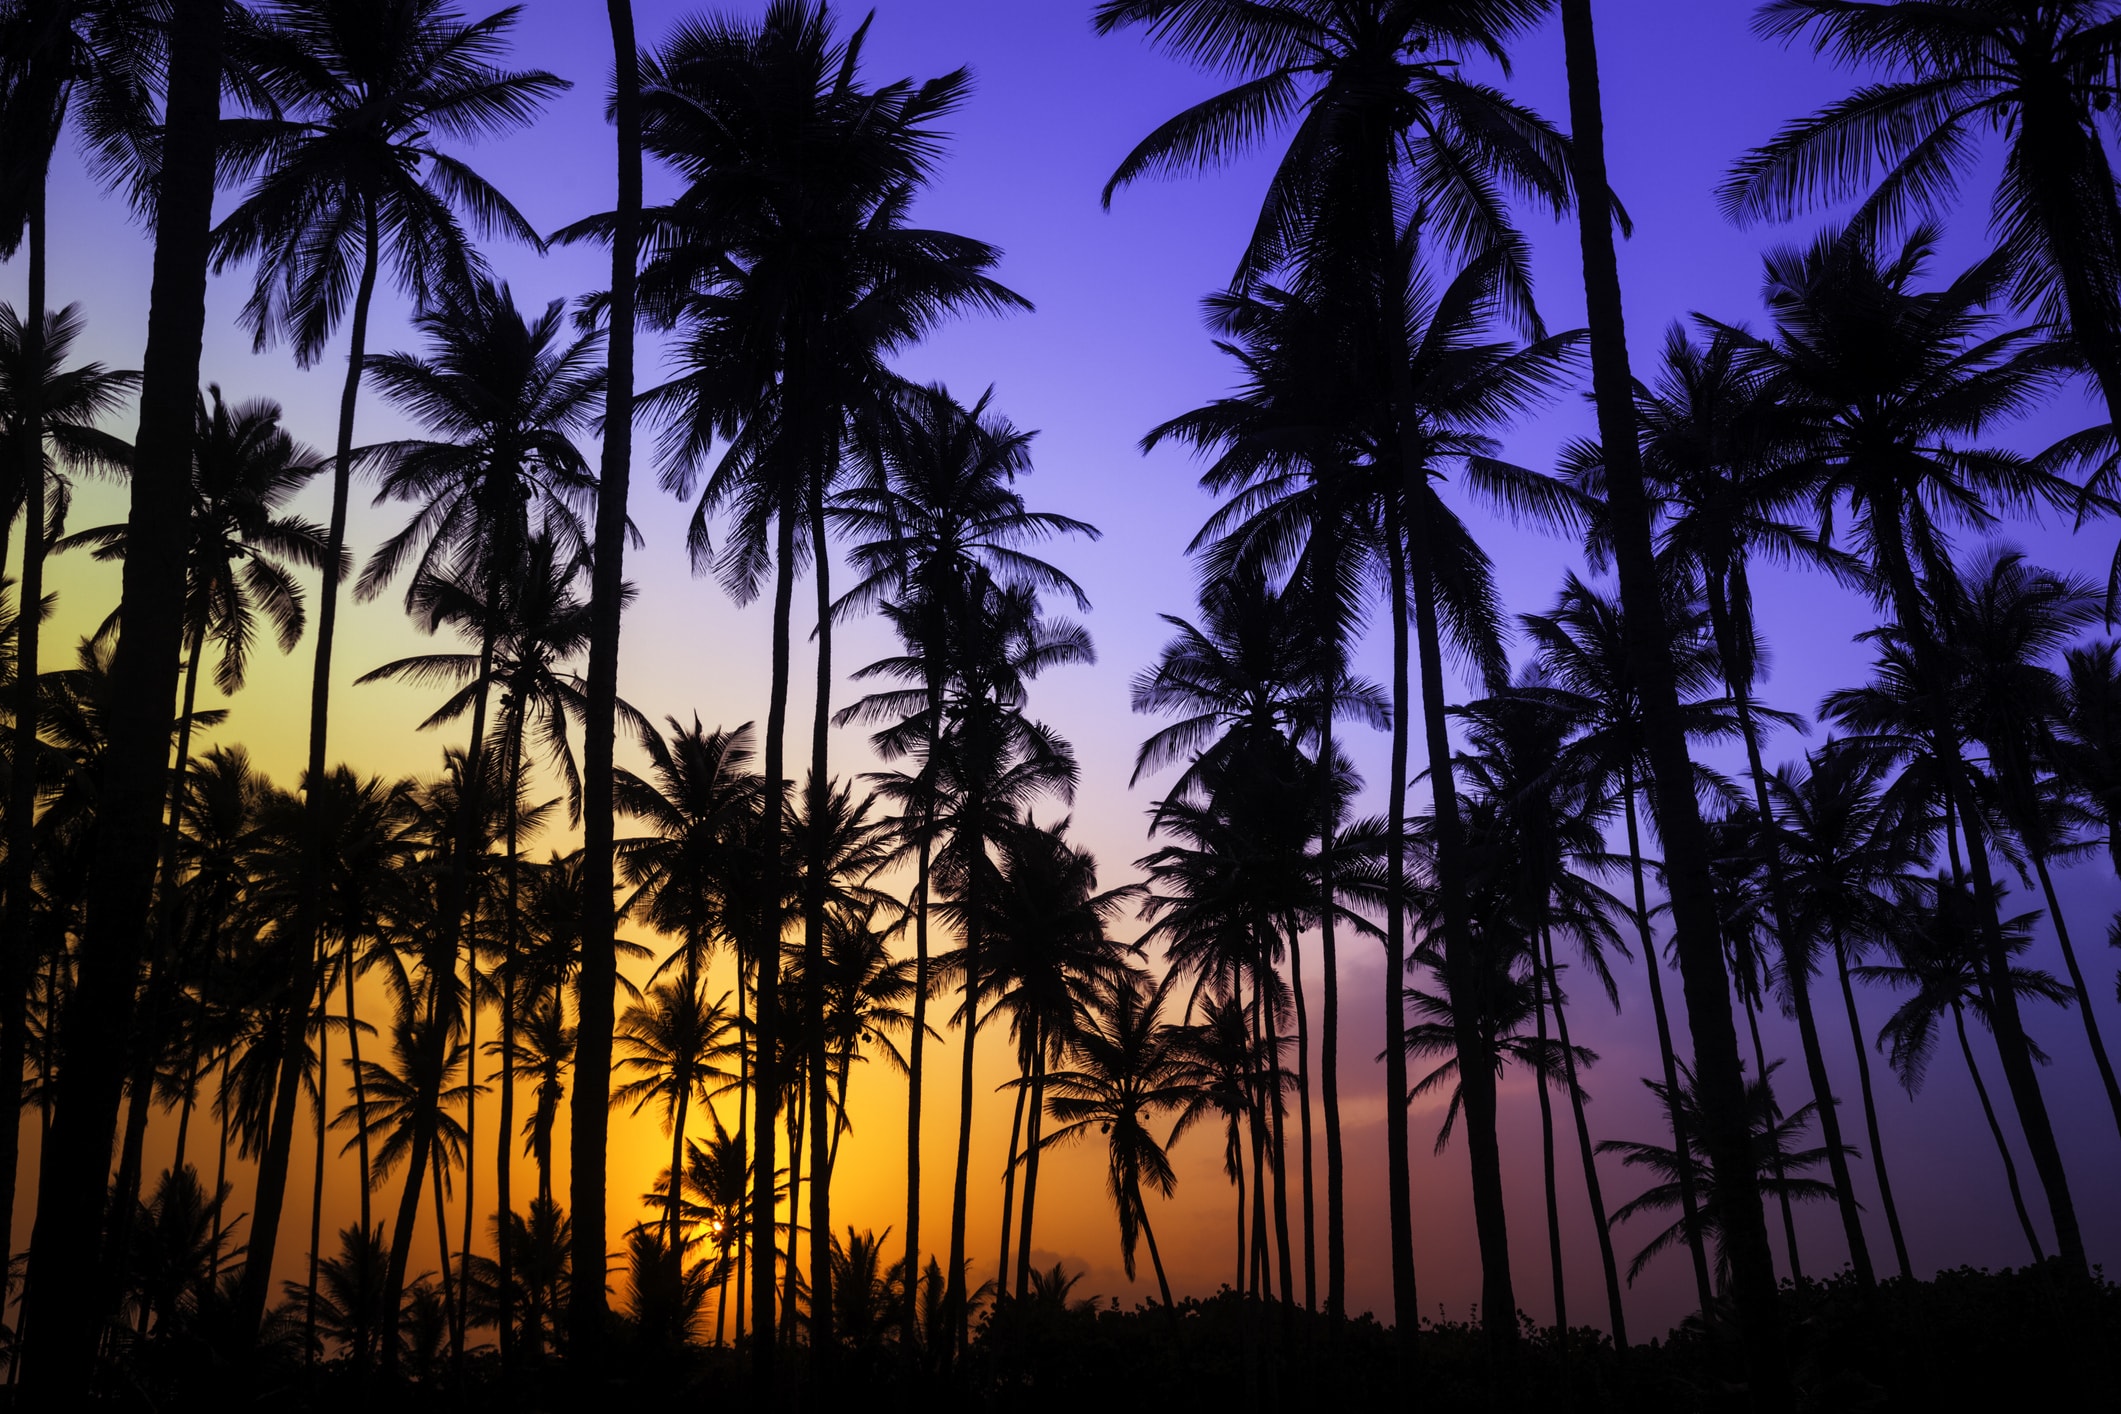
(1546, 1153)
(1995, 1129)
(743, 1138)
(1719, 1074)
(1870, 1113)
(590, 1116)
(956, 1303)
(471, 1136)
(1797, 972)
(1016, 1134)
(1329, 1034)
(1588, 1152)
(316, 1177)
(1689, 1200)
(821, 1127)
(1279, 1147)
(360, 1093)
(1155, 1258)
(1303, 1113)
(2076, 980)
(452, 1309)
(1034, 1148)
(791, 1269)
(765, 1079)
(1406, 1315)
(504, 1140)
(65, 1281)
(914, 1075)
(1782, 1194)
(17, 950)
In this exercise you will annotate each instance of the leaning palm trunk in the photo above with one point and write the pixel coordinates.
(1870, 1113)
(1009, 1166)
(69, 1305)
(316, 1178)
(1689, 1200)
(1329, 1030)
(1995, 1129)
(360, 1089)
(956, 1301)
(2039, 854)
(1398, 1174)
(279, 1144)
(910, 1320)
(765, 1079)
(1034, 1144)
(1789, 1220)
(504, 1141)
(1279, 1145)
(1719, 1073)
(1588, 1152)
(590, 1116)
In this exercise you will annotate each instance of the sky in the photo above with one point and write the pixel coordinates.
(1115, 346)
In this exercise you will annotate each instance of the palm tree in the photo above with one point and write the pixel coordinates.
(1382, 107)
(1727, 1136)
(1777, 1168)
(935, 512)
(590, 1117)
(1893, 384)
(46, 408)
(1906, 143)
(667, 1044)
(2089, 751)
(1584, 651)
(1124, 1070)
(788, 311)
(1843, 843)
(71, 1202)
(1938, 957)
(1045, 929)
(350, 176)
(2009, 619)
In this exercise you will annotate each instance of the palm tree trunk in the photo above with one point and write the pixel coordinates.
(1398, 1170)
(1789, 1219)
(1719, 1074)
(955, 1301)
(1256, 1121)
(1689, 1201)
(792, 1269)
(765, 1079)
(821, 1126)
(2003, 1148)
(1155, 1258)
(316, 1178)
(1546, 1151)
(213, 1263)
(504, 1141)
(1870, 1114)
(360, 1093)
(1329, 1034)
(590, 1116)
(451, 1310)
(1034, 1148)
(471, 1135)
(914, 1049)
(671, 1225)
(1588, 1152)
(17, 952)
(1016, 1132)
(1303, 1113)
(2076, 979)
(1280, 1153)
(743, 1138)
(1797, 972)
(1234, 1153)
(68, 1306)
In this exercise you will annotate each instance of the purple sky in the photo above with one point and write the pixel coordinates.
(1116, 346)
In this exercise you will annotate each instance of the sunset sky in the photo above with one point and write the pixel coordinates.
(1117, 345)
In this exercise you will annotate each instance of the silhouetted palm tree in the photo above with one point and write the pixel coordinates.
(1124, 1069)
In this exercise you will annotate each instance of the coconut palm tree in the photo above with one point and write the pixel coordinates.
(2010, 619)
(1937, 956)
(1894, 385)
(1727, 1137)
(1124, 1071)
(1778, 1167)
(787, 313)
(1584, 650)
(1908, 141)
(350, 175)
(935, 511)
(668, 1044)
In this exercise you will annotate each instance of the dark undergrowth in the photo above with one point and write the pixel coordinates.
(2018, 1339)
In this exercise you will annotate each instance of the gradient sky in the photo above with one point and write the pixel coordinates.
(1116, 345)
